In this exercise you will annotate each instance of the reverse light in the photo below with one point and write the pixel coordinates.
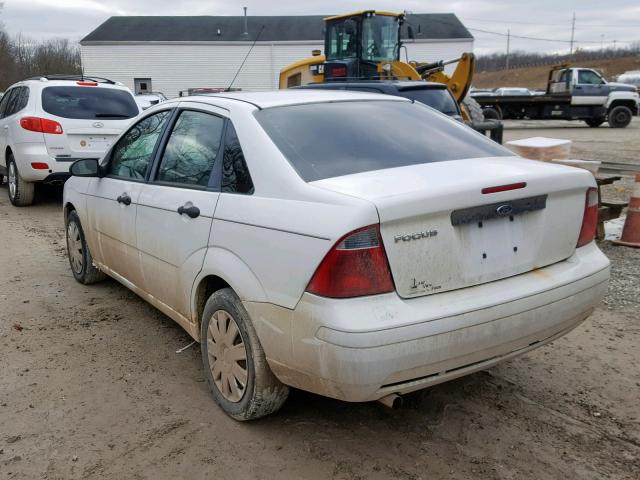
(357, 265)
(42, 125)
(589, 219)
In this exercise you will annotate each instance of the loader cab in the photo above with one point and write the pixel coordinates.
(355, 44)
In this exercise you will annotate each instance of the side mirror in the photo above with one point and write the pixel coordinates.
(85, 167)
(349, 27)
(410, 32)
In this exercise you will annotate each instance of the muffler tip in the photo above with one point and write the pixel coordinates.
(392, 401)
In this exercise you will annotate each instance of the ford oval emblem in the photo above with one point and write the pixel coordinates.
(504, 209)
(98, 124)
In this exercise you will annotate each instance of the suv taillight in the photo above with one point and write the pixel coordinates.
(590, 218)
(356, 266)
(42, 125)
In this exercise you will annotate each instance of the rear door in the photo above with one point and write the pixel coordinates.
(4, 121)
(176, 207)
(113, 200)
(92, 116)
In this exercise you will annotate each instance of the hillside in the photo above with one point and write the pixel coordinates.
(536, 77)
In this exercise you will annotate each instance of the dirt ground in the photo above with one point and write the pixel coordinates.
(91, 387)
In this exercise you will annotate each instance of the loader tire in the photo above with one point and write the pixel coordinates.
(473, 108)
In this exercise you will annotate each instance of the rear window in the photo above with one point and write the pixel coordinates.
(89, 103)
(438, 98)
(325, 140)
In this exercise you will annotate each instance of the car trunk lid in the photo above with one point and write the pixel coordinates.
(442, 233)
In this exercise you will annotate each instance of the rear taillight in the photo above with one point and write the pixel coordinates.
(43, 125)
(590, 218)
(356, 266)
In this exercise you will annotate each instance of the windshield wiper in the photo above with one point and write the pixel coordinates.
(114, 115)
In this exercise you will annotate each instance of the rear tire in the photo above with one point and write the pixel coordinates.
(235, 365)
(491, 113)
(80, 259)
(620, 116)
(594, 122)
(473, 109)
(20, 192)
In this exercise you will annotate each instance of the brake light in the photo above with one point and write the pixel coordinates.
(43, 125)
(504, 188)
(87, 84)
(356, 266)
(590, 218)
(339, 71)
(39, 166)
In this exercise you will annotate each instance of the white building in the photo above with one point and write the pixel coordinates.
(173, 54)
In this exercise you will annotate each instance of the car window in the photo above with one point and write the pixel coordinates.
(438, 98)
(192, 149)
(235, 173)
(589, 77)
(12, 103)
(5, 100)
(89, 103)
(22, 99)
(132, 154)
(324, 140)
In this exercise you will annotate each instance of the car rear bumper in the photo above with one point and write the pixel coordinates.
(366, 348)
(27, 154)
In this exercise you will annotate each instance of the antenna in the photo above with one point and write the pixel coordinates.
(228, 89)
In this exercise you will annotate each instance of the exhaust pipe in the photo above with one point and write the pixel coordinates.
(392, 401)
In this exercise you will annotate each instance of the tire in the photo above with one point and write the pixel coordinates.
(620, 116)
(594, 122)
(473, 109)
(80, 259)
(491, 113)
(224, 317)
(20, 192)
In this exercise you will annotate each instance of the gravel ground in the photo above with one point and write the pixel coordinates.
(91, 387)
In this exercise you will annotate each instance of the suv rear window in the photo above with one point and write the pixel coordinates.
(89, 103)
(324, 140)
(438, 98)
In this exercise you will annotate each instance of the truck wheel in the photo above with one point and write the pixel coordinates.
(594, 122)
(235, 365)
(20, 192)
(491, 113)
(473, 108)
(620, 116)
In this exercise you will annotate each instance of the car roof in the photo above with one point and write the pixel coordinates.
(381, 84)
(279, 98)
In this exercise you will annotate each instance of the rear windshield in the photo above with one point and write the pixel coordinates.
(325, 140)
(89, 103)
(438, 98)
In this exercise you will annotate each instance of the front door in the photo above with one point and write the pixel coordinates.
(176, 207)
(589, 89)
(113, 199)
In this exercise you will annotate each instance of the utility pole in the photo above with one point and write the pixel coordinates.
(508, 45)
(602, 41)
(573, 30)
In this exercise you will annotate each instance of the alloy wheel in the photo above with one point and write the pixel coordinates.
(227, 356)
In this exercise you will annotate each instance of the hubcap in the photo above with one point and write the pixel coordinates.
(227, 356)
(12, 180)
(74, 246)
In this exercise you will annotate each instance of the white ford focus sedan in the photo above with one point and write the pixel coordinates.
(356, 246)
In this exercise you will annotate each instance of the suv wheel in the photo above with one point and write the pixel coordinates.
(620, 116)
(20, 192)
(80, 259)
(237, 372)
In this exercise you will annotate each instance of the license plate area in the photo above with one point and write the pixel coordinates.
(491, 211)
(93, 142)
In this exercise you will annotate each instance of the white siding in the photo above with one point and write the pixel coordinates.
(175, 67)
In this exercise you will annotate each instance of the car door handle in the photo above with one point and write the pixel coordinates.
(6, 127)
(124, 198)
(190, 210)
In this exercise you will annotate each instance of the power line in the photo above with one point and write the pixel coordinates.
(555, 40)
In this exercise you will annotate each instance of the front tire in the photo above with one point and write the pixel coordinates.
(80, 259)
(20, 192)
(235, 365)
(620, 116)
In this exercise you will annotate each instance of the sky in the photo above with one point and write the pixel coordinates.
(598, 23)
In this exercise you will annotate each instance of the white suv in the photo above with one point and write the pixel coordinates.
(46, 123)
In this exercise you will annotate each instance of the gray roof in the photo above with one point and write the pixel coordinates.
(276, 28)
